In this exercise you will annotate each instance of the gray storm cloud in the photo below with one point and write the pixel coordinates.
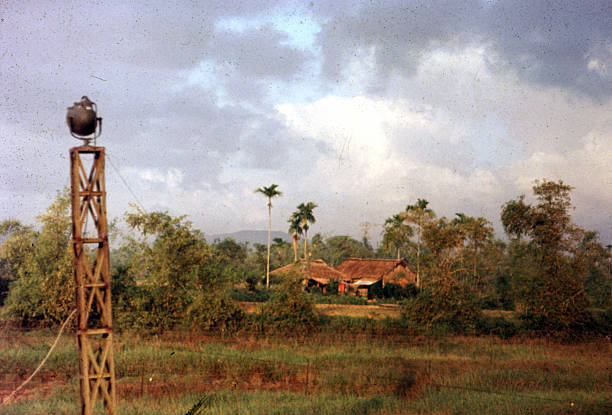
(463, 103)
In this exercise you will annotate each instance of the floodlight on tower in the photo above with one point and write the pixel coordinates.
(83, 121)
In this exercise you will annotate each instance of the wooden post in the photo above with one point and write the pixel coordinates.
(92, 280)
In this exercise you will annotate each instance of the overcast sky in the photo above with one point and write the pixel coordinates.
(361, 107)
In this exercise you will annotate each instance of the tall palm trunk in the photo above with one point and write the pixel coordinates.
(294, 241)
(418, 276)
(269, 243)
(305, 244)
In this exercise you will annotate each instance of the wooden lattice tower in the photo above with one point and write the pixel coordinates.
(92, 279)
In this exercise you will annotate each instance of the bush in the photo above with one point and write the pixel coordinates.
(601, 321)
(289, 309)
(255, 296)
(338, 299)
(145, 307)
(497, 325)
(316, 291)
(4, 286)
(392, 291)
(332, 287)
(451, 308)
(215, 310)
(42, 292)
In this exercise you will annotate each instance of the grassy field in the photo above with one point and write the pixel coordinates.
(344, 373)
(369, 311)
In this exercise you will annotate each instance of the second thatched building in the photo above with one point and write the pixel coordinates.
(365, 272)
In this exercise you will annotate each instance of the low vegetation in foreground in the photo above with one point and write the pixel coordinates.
(350, 372)
(191, 343)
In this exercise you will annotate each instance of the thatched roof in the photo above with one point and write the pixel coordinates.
(371, 269)
(316, 270)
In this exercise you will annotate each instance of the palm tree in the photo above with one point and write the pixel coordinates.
(396, 233)
(295, 230)
(270, 192)
(419, 214)
(306, 216)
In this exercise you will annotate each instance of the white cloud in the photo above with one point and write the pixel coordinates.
(586, 168)
(374, 165)
(172, 178)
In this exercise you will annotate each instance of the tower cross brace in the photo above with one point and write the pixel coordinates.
(92, 280)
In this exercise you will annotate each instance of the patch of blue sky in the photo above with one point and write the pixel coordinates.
(301, 29)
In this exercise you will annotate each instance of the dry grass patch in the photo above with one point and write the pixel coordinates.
(371, 311)
(374, 311)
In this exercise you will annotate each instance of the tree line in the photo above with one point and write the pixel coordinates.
(550, 271)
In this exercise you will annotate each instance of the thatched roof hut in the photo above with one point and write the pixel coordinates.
(314, 270)
(368, 271)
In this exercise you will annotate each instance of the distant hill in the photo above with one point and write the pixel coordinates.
(252, 237)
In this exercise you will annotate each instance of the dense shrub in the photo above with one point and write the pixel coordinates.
(42, 292)
(316, 291)
(450, 308)
(215, 310)
(338, 299)
(498, 326)
(4, 286)
(391, 290)
(601, 321)
(290, 309)
(332, 287)
(254, 296)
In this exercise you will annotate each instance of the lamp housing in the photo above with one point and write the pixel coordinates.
(83, 121)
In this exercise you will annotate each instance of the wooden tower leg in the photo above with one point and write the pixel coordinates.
(92, 280)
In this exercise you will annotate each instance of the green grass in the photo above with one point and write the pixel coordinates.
(320, 374)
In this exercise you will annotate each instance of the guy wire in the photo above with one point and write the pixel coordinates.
(126, 184)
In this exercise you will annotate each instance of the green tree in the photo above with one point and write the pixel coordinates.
(16, 242)
(173, 265)
(174, 277)
(43, 289)
(338, 248)
(229, 259)
(419, 215)
(306, 215)
(295, 230)
(396, 234)
(551, 294)
(257, 259)
(445, 240)
(317, 245)
(281, 248)
(596, 259)
(477, 232)
(446, 300)
(494, 288)
(269, 192)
